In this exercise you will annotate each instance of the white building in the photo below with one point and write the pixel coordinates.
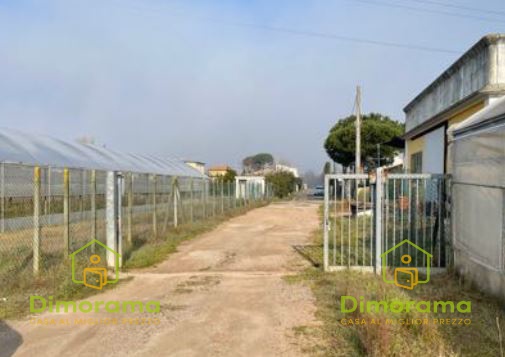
(250, 187)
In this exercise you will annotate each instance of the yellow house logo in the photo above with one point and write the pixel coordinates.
(405, 276)
(95, 277)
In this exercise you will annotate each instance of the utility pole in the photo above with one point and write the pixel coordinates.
(357, 168)
(378, 155)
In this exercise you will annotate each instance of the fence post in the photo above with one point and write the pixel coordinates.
(36, 219)
(155, 223)
(229, 195)
(66, 212)
(174, 194)
(213, 198)
(191, 200)
(111, 218)
(222, 196)
(93, 208)
(83, 192)
(234, 194)
(378, 219)
(130, 207)
(204, 197)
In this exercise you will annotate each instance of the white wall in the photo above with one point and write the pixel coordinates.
(433, 155)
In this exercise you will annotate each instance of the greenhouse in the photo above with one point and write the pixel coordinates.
(57, 196)
(478, 167)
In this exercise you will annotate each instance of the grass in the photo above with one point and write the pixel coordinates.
(333, 338)
(14, 302)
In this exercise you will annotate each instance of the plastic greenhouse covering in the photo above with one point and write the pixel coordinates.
(21, 148)
(478, 168)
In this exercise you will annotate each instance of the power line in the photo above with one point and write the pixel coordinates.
(459, 7)
(430, 11)
(314, 34)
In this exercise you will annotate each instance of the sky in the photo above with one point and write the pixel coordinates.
(216, 81)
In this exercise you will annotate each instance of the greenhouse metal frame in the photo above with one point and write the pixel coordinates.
(57, 196)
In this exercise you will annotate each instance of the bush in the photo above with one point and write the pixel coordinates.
(283, 183)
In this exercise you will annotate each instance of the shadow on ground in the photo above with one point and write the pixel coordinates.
(307, 252)
(10, 340)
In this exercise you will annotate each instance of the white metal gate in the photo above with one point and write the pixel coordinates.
(367, 219)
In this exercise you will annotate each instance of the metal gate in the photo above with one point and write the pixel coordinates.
(369, 217)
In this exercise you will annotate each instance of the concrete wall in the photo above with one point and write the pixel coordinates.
(478, 206)
(480, 69)
(472, 76)
(488, 280)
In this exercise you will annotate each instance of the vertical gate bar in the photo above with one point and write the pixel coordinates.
(334, 221)
(325, 228)
(416, 223)
(341, 221)
(394, 220)
(349, 216)
(402, 205)
(378, 220)
(409, 219)
(423, 222)
(356, 244)
(372, 202)
(432, 181)
(66, 212)
(386, 223)
(36, 220)
(363, 232)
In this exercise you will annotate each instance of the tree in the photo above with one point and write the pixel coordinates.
(257, 162)
(283, 183)
(327, 168)
(376, 128)
(229, 176)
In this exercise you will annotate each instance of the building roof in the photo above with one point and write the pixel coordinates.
(488, 115)
(19, 147)
(481, 44)
(219, 168)
(194, 162)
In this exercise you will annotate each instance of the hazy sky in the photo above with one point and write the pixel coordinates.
(187, 78)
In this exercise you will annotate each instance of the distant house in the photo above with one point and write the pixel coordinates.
(470, 84)
(293, 170)
(200, 166)
(218, 170)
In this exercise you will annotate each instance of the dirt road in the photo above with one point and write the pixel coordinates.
(221, 294)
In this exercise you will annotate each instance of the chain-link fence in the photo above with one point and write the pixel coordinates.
(47, 213)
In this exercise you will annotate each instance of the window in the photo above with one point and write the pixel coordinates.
(416, 162)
